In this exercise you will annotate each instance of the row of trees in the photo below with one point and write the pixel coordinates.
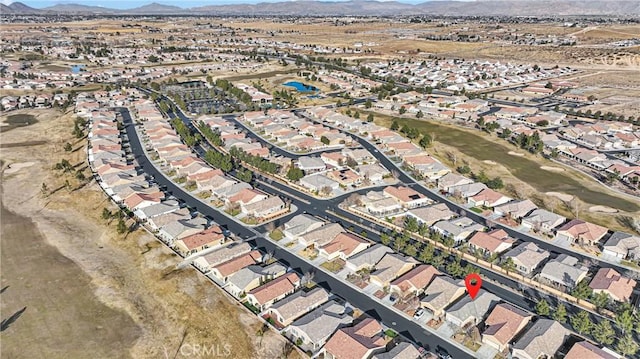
(260, 163)
(189, 138)
(602, 331)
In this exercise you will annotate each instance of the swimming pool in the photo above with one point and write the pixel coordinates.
(300, 87)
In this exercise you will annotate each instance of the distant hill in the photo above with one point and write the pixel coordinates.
(361, 7)
(17, 8)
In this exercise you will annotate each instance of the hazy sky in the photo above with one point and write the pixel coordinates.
(127, 4)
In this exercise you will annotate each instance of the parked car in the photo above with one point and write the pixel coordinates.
(418, 313)
(442, 353)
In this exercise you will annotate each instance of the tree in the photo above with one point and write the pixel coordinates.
(122, 226)
(395, 126)
(245, 175)
(370, 117)
(542, 308)
(106, 214)
(385, 239)
(627, 345)
(411, 224)
(411, 250)
(438, 261)
(581, 322)
(582, 290)
(600, 300)
(624, 318)
(368, 104)
(603, 332)
(454, 268)
(80, 176)
(425, 141)
(325, 140)
(560, 314)
(419, 114)
(294, 174)
(68, 147)
(508, 265)
(426, 255)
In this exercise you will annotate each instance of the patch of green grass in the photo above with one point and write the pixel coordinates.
(276, 235)
(332, 266)
(477, 210)
(390, 333)
(251, 307)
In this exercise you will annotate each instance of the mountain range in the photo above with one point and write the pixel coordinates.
(357, 7)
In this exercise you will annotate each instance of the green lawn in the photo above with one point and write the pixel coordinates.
(276, 235)
(390, 333)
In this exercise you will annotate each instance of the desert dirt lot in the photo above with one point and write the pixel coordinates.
(87, 291)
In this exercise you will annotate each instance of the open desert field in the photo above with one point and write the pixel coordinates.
(73, 287)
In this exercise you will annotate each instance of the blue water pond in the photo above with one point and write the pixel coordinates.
(300, 87)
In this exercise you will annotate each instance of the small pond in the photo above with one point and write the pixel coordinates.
(300, 87)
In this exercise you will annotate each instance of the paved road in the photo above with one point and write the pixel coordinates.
(322, 208)
(405, 178)
(403, 325)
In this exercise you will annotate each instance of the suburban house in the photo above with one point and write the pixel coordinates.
(622, 245)
(368, 258)
(247, 196)
(267, 294)
(249, 278)
(431, 214)
(503, 324)
(296, 305)
(467, 190)
(233, 250)
(403, 350)
(321, 236)
(357, 342)
(266, 208)
(488, 198)
(314, 329)
(469, 311)
(459, 228)
(491, 243)
(311, 164)
(161, 220)
(450, 180)
(182, 228)
(210, 237)
(406, 196)
(379, 205)
(157, 209)
(543, 221)
(391, 266)
(441, 293)
(414, 281)
(527, 257)
(609, 281)
(563, 271)
(317, 182)
(137, 200)
(301, 224)
(585, 349)
(515, 209)
(542, 340)
(343, 246)
(579, 231)
(223, 270)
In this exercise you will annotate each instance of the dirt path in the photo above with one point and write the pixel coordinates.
(90, 292)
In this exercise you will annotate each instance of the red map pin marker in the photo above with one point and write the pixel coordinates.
(473, 282)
